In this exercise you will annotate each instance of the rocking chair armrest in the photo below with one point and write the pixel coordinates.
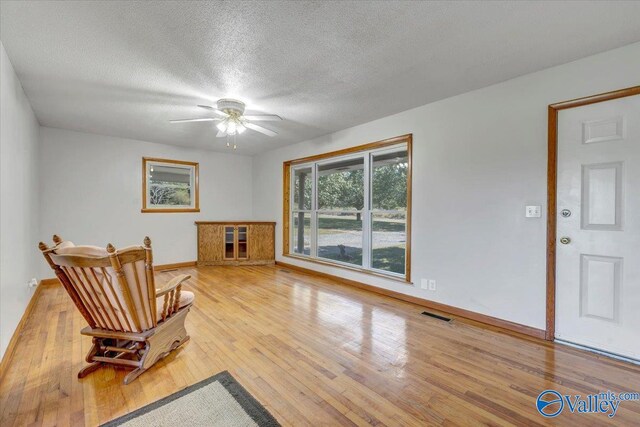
(172, 284)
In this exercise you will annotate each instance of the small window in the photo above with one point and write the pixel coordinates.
(169, 186)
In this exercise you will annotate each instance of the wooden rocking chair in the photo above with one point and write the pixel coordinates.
(132, 323)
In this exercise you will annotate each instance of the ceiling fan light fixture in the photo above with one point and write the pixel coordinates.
(232, 121)
(231, 127)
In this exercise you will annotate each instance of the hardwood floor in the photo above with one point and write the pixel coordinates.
(313, 353)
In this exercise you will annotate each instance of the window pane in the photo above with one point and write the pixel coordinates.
(301, 233)
(169, 185)
(341, 185)
(340, 237)
(389, 181)
(389, 241)
(302, 189)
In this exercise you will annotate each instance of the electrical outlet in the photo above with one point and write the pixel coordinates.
(432, 285)
(424, 284)
(533, 211)
(32, 283)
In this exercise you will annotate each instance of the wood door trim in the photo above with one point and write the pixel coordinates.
(442, 308)
(552, 188)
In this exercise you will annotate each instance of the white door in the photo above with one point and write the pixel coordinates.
(598, 231)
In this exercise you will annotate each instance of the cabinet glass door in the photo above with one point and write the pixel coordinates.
(242, 242)
(229, 242)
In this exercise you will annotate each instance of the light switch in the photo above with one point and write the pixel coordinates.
(533, 211)
(424, 284)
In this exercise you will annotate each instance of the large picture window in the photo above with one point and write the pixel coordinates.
(352, 207)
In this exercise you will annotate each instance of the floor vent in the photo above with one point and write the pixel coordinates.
(284, 271)
(436, 316)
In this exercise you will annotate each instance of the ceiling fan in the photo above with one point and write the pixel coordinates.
(231, 118)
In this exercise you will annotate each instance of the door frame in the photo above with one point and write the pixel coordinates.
(552, 182)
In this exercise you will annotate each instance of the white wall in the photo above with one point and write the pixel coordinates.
(18, 200)
(91, 189)
(479, 159)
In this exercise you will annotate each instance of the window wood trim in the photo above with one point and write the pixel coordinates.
(286, 199)
(196, 186)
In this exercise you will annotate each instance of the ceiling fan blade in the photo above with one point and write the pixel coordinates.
(263, 118)
(260, 129)
(221, 134)
(202, 119)
(214, 110)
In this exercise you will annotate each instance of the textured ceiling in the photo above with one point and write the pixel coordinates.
(127, 68)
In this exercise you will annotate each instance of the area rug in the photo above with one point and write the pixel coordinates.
(216, 401)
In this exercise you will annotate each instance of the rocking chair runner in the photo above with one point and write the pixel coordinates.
(132, 323)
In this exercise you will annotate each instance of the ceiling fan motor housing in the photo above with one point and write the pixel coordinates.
(231, 106)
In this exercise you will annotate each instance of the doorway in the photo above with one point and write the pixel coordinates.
(593, 277)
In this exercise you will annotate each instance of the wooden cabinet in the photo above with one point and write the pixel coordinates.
(236, 243)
